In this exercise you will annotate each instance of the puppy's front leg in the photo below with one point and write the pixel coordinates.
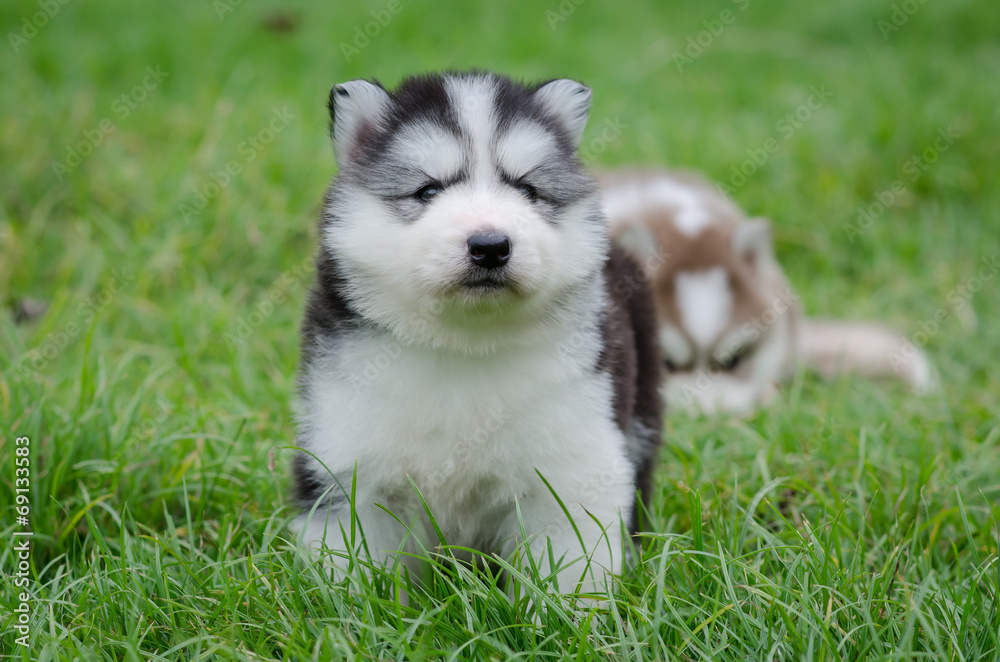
(585, 552)
(376, 535)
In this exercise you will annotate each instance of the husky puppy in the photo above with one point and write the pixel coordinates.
(730, 326)
(472, 340)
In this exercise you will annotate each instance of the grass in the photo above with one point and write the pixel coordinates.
(850, 521)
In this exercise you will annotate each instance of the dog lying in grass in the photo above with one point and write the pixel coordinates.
(730, 326)
(473, 347)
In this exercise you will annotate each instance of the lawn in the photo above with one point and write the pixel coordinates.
(162, 170)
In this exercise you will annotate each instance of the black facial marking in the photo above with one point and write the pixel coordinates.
(732, 358)
(516, 102)
(529, 191)
(417, 99)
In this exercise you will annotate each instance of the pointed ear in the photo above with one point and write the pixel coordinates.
(355, 107)
(751, 241)
(569, 102)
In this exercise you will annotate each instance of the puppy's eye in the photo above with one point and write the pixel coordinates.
(729, 362)
(528, 191)
(669, 365)
(425, 193)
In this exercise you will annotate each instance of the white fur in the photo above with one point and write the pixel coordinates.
(473, 99)
(641, 243)
(569, 101)
(675, 346)
(752, 237)
(705, 302)
(541, 411)
(706, 392)
(830, 348)
(753, 382)
(732, 342)
(430, 149)
(356, 102)
(631, 200)
(522, 147)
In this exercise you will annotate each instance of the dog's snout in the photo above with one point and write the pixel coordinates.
(489, 250)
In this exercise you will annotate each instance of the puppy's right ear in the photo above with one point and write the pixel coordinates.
(356, 107)
(569, 102)
(751, 241)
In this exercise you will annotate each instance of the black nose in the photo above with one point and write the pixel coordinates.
(489, 250)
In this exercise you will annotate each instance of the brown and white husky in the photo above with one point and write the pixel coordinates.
(730, 325)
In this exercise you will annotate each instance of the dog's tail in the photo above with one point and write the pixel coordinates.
(834, 347)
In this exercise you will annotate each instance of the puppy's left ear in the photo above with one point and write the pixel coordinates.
(751, 241)
(355, 107)
(569, 102)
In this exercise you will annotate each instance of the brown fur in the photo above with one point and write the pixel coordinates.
(754, 285)
(708, 249)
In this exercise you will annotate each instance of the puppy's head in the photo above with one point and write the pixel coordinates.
(722, 301)
(461, 215)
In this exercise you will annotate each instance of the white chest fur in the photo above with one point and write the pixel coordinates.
(471, 432)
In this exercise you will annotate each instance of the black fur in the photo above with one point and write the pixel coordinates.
(309, 487)
(631, 355)
(328, 311)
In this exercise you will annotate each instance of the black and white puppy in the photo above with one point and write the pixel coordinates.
(472, 332)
